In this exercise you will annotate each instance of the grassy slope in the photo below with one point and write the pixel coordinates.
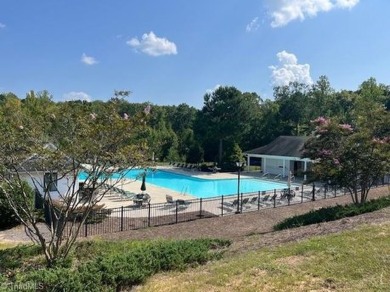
(357, 260)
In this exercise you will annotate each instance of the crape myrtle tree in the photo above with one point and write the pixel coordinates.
(350, 157)
(64, 141)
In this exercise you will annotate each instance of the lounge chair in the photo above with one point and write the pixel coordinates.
(179, 202)
(266, 197)
(245, 201)
(129, 195)
(253, 200)
(231, 204)
(287, 193)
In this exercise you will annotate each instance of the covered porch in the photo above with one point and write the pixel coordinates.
(281, 156)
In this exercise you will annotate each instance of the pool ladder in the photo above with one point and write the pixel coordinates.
(184, 191)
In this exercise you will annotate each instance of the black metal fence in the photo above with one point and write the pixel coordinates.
(149, 215)
(102, 221)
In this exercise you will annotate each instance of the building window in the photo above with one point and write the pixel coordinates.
(50, 181)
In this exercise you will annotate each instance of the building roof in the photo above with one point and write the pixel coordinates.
(289, 146)
(38, 163)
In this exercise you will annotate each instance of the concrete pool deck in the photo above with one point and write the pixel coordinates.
(158, 194)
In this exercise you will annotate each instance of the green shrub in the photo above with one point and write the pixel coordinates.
(63, 279)
(15, 257)
(8, 219)
(333, 213)
(116, 265)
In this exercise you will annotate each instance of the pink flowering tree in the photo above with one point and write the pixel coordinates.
(64, 141)
(348, 157)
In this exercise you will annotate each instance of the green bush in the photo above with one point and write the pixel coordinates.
(86, 278)
(16, 257)
(8, 218)
(333, 213)
(106, 266)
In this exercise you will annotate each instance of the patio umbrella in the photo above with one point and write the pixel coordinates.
(143, 185)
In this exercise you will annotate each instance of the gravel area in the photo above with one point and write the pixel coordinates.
(239, 227)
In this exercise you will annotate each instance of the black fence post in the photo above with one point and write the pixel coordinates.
(258, 201)
(274, 198)
(121, 218)
(335, 191)
(177, 204)
(241, 204)
(302, 195)
(85, 229)
(314, 193)
(149, 214)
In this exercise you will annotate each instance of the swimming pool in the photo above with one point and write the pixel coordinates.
(204, 188)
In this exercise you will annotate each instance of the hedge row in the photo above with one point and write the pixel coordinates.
(333, 213)
(108, 266)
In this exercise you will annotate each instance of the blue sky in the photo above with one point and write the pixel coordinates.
(174, 51)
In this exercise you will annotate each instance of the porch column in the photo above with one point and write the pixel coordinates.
(284, 167)
(248, 161)
(264, 165)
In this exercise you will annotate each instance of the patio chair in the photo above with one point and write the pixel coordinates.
(231, 204)
(129, 195)
(146, 198)
(266, 197)
(172, 202)
(287, 193)
(245, 201)
(253, 200)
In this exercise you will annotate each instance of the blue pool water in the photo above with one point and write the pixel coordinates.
(203, 188)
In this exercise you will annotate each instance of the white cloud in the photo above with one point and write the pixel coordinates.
(346, 3)
(76, 95)
(88, 60)
(2, 25)
(210, 91)
(284, 11)
(289, 70)
(253, 25)
(153, 45)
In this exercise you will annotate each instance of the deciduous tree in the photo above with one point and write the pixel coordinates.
(348, 157)
(66, 140)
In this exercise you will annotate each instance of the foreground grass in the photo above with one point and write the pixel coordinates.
(352, 261)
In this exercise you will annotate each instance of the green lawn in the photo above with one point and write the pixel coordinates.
(352, 261)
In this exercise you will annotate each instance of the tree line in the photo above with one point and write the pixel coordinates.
(231, 120)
